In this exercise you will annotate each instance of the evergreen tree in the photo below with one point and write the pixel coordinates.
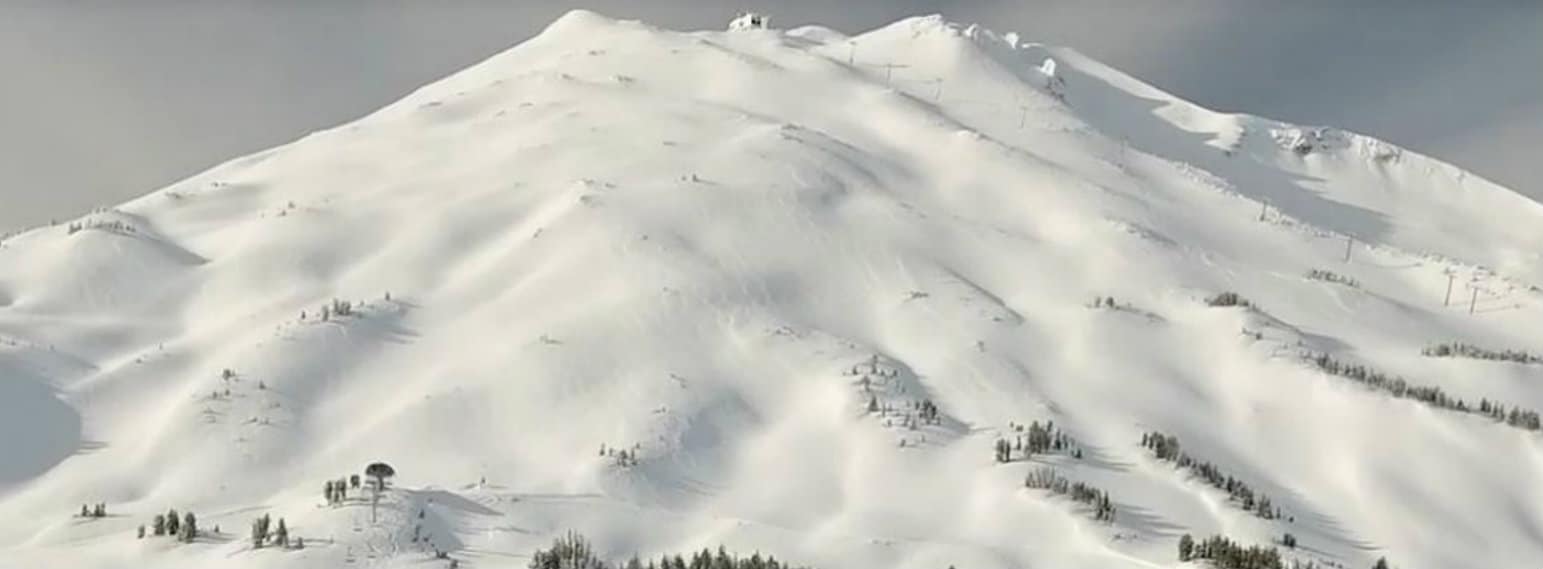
(1382, 563)
(173, 522)
(1265, 510)
(159, 524)
(1224, 553)
(189, 528)
(141, 531)
(1186, 547)
(281, 535)
(260, 531)
(85, 512)
(568, 552)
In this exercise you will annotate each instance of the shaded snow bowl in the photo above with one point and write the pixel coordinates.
(37, 430)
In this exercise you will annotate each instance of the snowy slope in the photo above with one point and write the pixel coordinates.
(695, 245)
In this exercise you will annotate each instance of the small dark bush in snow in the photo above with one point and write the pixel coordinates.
(1227, 299)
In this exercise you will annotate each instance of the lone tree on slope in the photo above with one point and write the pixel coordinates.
(281, 535)
(189, 528)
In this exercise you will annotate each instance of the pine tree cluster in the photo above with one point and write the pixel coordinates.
(184, 527)
(1166, 447)
(335, 307)
(1332, 277)
(916, 414)
(97, 511)
(1224, 553)
(1461, 350)
(1515, 417)
(336, 491)
(114, 226)
(1228, 298)
(1109, 303)
(1430, 395)
(622, 458)
(913, 415)
(926, 412)
(873, 369)
(265, 533)
(1046, 478)
(573, 552)
(1035, 438)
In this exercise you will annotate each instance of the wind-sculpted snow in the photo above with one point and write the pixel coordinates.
(783, 292)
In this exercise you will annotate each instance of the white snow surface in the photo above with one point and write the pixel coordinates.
(684, 243)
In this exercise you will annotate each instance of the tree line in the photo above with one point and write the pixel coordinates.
(1461, 350)
(1167, 448)
(1332, 277)
(1397, 386)
(1224, 553)
(1035, 439)
(1046, 478)
(572, 551)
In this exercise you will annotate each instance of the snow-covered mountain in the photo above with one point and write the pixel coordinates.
(805, 282)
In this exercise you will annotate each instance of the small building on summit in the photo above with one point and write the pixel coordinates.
(749, 21)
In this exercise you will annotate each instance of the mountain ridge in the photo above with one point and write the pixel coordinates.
(691, 245)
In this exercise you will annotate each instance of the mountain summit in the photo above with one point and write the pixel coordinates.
(923, 297)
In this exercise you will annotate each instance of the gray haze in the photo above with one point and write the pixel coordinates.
(103, 101)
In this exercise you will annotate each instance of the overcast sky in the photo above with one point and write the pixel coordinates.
(103, 101)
